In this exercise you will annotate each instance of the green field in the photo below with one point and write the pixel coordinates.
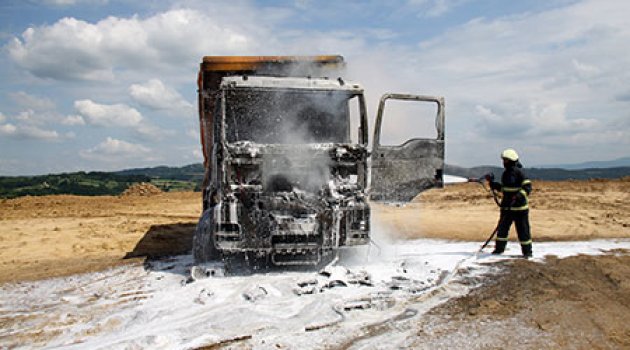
(167, 185)
(189, 178)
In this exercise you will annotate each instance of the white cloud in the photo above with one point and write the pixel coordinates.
(115, 115)
(39, 134)
(62, 3)
(113, 150)
(30, 117)
(151, 132)
(435, 8)
(21, 131)
(32, 102)
(197, 154)
(193, 133)
(108, 115)
(155, 95)
(552, 119)
(73, 120)
(8, 129)
(29, 125)
(39, 119)
(551, 77)
(73, 49)
(539, 77)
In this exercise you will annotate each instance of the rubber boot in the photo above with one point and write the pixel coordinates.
(527, 250)
(499, 247)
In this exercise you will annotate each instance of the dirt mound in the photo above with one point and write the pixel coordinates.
(141, 189)
(580, 302)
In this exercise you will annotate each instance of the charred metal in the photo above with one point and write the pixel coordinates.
(287, 173)
(291, 205)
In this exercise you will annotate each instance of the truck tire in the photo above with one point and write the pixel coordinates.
(204, 249)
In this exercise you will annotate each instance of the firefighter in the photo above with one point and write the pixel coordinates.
(516, 188)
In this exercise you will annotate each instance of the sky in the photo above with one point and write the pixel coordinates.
(111, 84)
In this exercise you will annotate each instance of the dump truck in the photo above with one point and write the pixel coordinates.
(289, 169)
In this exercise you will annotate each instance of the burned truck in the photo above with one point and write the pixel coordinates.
(289, 173)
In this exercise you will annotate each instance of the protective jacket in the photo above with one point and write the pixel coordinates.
(515, 187)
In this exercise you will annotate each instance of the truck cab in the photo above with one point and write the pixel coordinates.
(289, 168)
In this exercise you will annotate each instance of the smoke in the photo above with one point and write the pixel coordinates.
(286, 117)
(382, 248)
(296, 117)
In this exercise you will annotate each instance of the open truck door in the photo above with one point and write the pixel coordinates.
(401, 172)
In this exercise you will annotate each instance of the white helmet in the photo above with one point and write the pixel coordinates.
(510, 154)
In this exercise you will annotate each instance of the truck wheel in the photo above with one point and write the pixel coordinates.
(203, 240)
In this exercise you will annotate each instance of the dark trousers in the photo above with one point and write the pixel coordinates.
(520, 219)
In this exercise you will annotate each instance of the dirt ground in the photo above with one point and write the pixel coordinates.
(560, 211)
(61, 235)
(578, 302)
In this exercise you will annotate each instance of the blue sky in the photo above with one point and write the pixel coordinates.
(106, 84)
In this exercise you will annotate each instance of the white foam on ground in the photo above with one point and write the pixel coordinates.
(132, 307)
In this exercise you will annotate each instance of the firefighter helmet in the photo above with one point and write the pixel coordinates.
(510, 154)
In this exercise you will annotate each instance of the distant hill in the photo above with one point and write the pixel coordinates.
(189, 178)
(79, 183)
(195, 172)
(615, 163)
(554, 174)
(186, 178)
(192, 172)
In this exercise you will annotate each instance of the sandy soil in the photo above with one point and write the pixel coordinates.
(61, 235)
(560, 211)
(577, 302)
(580, 302)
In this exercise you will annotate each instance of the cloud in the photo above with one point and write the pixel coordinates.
(73, 120)
(151, 132)
(39, 119)
(62, 3)
(529, 121)
(112, 150)
(32, 102)
(23, 132)
(73, 49)
(108, 115)
(115, 115)
(197, 154)
(30, 117)
(555, 75)
(155, 95)
(30, 125)
(435, 8)
(8, 129)
(623, 97)
(539, 76)
(192, 133)
(552, 119)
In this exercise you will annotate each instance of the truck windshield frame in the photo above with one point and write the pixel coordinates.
(287, 116)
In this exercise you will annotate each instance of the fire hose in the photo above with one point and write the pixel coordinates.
(488, 177)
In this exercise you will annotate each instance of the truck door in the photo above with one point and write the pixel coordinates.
(400, 172)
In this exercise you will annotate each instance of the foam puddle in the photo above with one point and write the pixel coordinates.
(134, 307)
